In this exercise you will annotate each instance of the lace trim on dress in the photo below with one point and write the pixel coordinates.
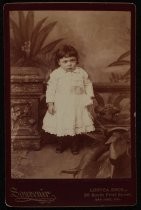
(67, 132)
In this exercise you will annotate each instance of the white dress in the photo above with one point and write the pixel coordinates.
(71, 92)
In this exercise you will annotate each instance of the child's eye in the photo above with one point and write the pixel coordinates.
(73, 61)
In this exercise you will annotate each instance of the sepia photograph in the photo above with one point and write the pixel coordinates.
(70, 104)
(70, 94)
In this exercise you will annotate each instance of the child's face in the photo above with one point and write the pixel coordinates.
(68, 63)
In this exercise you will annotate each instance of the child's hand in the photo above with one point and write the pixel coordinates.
(90, 108)
(51, 108)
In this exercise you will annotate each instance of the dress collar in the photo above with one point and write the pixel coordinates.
(74, 71)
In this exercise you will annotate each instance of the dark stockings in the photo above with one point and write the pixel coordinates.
(68, 141)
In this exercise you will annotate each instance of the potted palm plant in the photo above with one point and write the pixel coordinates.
(27, 42)
(31, 60)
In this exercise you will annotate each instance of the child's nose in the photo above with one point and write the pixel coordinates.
(69, 62)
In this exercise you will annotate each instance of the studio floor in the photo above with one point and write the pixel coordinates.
(47, 164)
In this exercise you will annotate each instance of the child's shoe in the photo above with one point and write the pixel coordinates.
(60, 147)
(75, 148)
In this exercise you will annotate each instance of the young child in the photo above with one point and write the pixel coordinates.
(69, 93)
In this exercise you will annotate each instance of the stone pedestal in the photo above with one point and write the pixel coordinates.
(26, 90)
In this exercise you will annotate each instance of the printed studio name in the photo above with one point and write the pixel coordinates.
(107, 190)
(40, 196)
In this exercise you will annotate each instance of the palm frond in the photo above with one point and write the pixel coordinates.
(13, 44)
(15, 52)
(14, 56)
(35, 32)
(48, 48)
(111, 79)
(27, 42)
(20, 61)
(22, 25)
(124, 55)
(29, 25)
(16, 33)
(119, 63)
(42, 36)
(99, 99)
(45, 61)
(115, 77)
(39, 60)
(127, 73)
(110, 98)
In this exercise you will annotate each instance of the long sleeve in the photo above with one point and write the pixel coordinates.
(51, 88)
(88, 85)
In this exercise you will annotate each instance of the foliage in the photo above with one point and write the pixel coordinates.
(110, 159)
(121, 61)
(110, 111)
(110, 153)
(27, 44)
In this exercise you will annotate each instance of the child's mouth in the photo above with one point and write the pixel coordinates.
(70, 68)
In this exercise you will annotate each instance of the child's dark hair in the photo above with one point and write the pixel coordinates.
(65, 51)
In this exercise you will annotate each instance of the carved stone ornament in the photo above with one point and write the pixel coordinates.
(26, 90)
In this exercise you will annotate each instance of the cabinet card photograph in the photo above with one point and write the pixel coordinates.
(70, 104)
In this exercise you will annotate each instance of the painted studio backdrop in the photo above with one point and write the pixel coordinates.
(102, 39)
